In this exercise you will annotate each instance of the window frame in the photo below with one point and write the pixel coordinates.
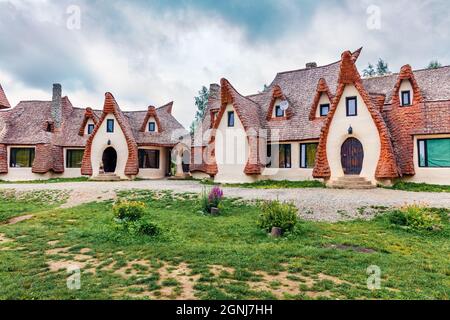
(32, 156)
(70, 158)
(230, 116)
(278, 108)
(90, 125)
(141, 161)
(347, 100)
(150, 124)
(304, 154)
(321, 109)
(403, 100)
(285, 155)
(108, 122)
(425, 141)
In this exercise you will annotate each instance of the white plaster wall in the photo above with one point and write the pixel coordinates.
(364, 129)
(406, 86)
(198, 175)
(323, 100)
(118, 142)
(152, 119)
(428, 175)
(155, 173)
(291, 174)
(232, 150)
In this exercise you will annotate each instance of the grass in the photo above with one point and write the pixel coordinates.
(420, 187)
(250, 264)
(271, 184)
(52, 180)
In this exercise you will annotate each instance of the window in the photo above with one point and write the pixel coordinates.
(231, 119)
(434, 153)
(151, 127)
(21, 157)
(406, 98)
(352, 107)
(148, 159)
(324, 109)
(74, 158)
(308, 155)
(110, 125)
(284, 155)
(90, 128)
(279, 113)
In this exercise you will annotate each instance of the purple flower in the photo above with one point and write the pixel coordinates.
(215, 195)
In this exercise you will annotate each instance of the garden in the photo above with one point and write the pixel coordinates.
(165, 245)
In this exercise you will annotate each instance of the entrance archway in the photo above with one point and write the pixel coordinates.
(109, 160)
(352, 156)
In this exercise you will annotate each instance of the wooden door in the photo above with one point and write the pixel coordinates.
(352, 156)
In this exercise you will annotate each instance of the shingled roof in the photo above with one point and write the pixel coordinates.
(4, 103)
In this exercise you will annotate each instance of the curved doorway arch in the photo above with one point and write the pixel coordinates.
(352, 156)
(109, 160)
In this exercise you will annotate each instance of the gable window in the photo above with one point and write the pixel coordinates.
(324, 109)
(279, 113)
(110, 125)
(74, 157)
(148, 159)
(434, 153)
(151, 126)
(21, 157)
(352, 107)
(231, 119)
(406, 98)
(308, 153)
(90, 128)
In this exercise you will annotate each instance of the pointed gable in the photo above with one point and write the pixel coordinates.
(349, 75)
(277, 94)
(4, 103)
(322, 88)
(151, 113)
(406, 74)
(111, 106)
(88, 115)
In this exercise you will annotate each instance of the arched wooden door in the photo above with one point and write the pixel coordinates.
(352, 156)
(109, 160)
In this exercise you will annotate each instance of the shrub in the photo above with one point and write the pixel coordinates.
(211, 199)
(129, 210)
(416, 217)
(146, 228)
(278, 214)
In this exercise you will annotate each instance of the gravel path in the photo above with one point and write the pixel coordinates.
(314, 204)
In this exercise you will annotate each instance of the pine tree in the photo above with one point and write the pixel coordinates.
(382, 67)
(369, 71)
(434, 64)
(201, 102)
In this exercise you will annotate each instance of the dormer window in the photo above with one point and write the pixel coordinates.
(279, 112)
(151, 127)
(110, 125)
(324, 109)
(406, 98)
(90, 128)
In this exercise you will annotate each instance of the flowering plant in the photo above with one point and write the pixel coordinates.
(215, 196)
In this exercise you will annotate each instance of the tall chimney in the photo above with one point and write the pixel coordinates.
(57, 105)
(214, 91)
(311, 65)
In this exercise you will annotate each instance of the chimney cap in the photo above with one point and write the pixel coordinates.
(311, 65)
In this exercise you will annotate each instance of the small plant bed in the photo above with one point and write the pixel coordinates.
(420, 187)
(195, 256)
(271, 184)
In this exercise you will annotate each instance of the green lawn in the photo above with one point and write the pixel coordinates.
(224, 257)
(420, 187)
(52, 180)
(272, 184)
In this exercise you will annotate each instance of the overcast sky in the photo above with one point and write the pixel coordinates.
(155, 51)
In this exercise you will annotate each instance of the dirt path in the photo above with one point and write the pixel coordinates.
(315, 204)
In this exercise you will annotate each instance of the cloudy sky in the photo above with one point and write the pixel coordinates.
(155, 51)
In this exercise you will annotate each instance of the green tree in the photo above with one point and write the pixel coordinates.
(382, 67)
(201, 102)
(369, 71)
(434, 64)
